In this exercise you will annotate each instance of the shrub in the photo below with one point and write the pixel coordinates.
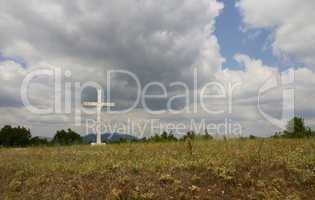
(295, 129)
(10, 136)
(69, 137)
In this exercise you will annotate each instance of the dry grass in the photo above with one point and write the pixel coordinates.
(236, 169)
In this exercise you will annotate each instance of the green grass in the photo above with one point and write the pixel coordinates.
(234, 169)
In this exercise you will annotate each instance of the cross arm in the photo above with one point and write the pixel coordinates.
(95, 104)
(108, 104)
(90, 104)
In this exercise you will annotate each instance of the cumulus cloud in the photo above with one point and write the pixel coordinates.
(245, 105)
(291, 22)
(157, 41)
(11, 75)
(254, 78)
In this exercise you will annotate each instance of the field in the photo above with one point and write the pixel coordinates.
(233, 169)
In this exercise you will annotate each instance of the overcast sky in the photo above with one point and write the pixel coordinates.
(245, 41)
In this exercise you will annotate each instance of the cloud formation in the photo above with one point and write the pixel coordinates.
(152, 39)
(157, 41)
(291, 22)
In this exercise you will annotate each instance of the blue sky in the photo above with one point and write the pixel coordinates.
(20, 61)
(232, 39)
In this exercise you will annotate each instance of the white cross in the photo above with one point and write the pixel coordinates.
(99, 105)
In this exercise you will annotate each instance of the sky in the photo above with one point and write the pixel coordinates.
(260, 54)
(233, 39)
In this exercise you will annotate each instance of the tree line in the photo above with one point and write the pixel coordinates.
(169, 137)
(296, 128)
(21, 136)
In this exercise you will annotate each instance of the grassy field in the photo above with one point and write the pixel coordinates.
(233, 169)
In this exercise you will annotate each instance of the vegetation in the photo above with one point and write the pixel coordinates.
(22, 137)
(252, 137)
(208, 169)
(169, 137)
(67, 137)
(161, 167)
(10, 136)
(37, 141)
(296, 129)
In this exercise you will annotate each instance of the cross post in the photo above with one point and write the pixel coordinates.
(99, 105)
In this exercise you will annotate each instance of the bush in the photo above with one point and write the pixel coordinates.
(69, 137)
(252, 137)
(164, 137)
(14, 137)
(190, 135)
(295, 129)
(37, 141)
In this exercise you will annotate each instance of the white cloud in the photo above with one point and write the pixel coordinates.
(158, 41)
(254, 76)
(155, 40)
(11, 75)
(291, 22)
(151, 38)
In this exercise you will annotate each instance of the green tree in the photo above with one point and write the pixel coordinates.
(171, 137)
(295, 129)
(207, 136)
(164, 135)
(155, 138)
(69, 137)
(14, 136)
(190, 135)
(252, 137)
(37, 141)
